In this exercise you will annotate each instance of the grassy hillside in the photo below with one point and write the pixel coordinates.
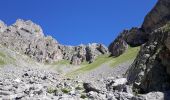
(8, 57)
(62, 62)
(130, 54)
(5, 58)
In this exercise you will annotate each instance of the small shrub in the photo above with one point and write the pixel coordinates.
(65, 90)
(79, 88)
(83, 96)
(51, 90)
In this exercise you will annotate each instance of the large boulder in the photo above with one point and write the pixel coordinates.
(118, 48)
(153, 96)
(119, 45)
(90, 87)
(94, 50)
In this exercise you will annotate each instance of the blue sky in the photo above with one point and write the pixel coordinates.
(73, 22)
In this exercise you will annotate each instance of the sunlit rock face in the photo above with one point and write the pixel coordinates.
(29, 27)
(82, 53)
(28, 38)
(2, 26)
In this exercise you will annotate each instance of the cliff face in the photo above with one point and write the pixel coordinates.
(151, 69)
(28, 38)
(158, 16)
(133, 37)
(82, 53)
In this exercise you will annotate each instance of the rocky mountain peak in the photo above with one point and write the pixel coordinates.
(29, 26)
(28, 38)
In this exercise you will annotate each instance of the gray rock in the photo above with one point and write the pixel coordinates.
(90, 87)
(82, 53)
(133, 37)
(123, 96)
(150, 70)
(153, 96)
(3, 27)
(27, 38)
(118, 47)
(117, 85)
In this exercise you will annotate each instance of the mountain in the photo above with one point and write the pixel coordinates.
(156, 18)
(135, 66)
(28, 38)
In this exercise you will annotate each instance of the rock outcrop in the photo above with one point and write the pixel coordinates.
(2, 26)
(158, 16)
(82, 53)
(150, 70)
(28, 38)
(133, 37)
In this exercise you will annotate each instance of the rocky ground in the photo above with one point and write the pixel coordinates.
(25, 54)
(26, 83)
(105, 71)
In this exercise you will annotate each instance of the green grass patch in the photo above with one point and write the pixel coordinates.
(62, 62)
(2, 62)
(5, 58)
(51, 90)
(2, 54)
(130, 54)
(65, 90)
(86, 67)
(83, 96)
